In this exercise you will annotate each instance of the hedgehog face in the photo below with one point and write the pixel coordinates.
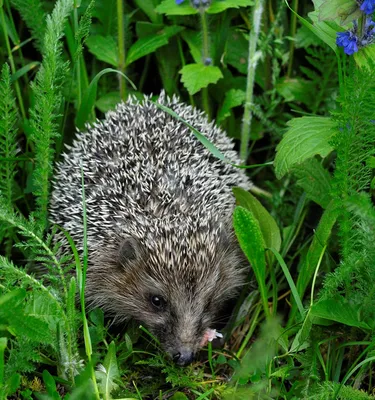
(176, 294)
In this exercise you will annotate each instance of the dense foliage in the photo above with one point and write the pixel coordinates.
(294, 84)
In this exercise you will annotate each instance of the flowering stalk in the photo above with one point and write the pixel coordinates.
(251, 66)
(362, 33)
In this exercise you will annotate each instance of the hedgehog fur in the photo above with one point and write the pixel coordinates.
(159, 219)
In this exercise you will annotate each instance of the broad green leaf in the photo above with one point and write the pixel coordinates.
(306, 137)
(237, 50)
(314, 180)
(179, 396)
(194, 41)
(339, 310)
(251, 241)
(345, 10)
(321, 237)
(108, 373)
(50, 386)
(148, 7)
(233, 98)
(270, 230)
(219, 6)
(149, 44)
(145, 28)
(12, 384)
(104, 48)
(170, 7)
(198, 76)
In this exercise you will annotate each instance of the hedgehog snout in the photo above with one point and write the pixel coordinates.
(183, 357)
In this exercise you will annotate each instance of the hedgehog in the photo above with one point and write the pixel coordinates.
(159, 205)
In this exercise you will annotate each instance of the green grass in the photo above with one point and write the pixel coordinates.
(302, 115)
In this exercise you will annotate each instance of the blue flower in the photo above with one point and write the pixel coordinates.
(369, 32)
(368, 6)
(178, 2)
(348, 40)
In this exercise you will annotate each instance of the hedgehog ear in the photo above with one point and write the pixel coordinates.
(129, 251)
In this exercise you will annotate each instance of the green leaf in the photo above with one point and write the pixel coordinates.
(270, 230)
(198, 76)
(306, 137)
(314, 180)
(320, 240)
(233, 98)
(296, 89)
(50, 386)
(237, 50)
(169, 7)
(345, 10)
(24, 70)
(109, 372)
(194, 41)
(149, 44)
(251, 241)
(148, 7)
(219, 6)
(104, 48)
(12, 384)
(300, 340)
(339, 310)
(179, 396)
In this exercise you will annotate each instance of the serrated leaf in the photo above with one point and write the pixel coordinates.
(198, 76)
(339, 310)
(104, 48)
(305, 138)
(233, 98)
(315, 181)
(270, 230)
(149, 44)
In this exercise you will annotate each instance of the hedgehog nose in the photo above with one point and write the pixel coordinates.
(183, 357)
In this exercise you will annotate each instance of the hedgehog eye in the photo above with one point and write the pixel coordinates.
(158, 302)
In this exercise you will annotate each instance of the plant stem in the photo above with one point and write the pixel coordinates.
(121, 46)
(251, 66)
(12, 65)
(292, 33)
(77, 66)
(205, 57)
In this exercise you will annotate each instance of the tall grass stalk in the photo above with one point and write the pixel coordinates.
(251, 66)
(121, 46)
(205, 58)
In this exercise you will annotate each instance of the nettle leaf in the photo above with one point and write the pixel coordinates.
(233, 98)
(104, 48)
(270, 230)
(305, 138)
(339, 310)
(149, 44)
(218, 6)
(314, 180)
(198, 76)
